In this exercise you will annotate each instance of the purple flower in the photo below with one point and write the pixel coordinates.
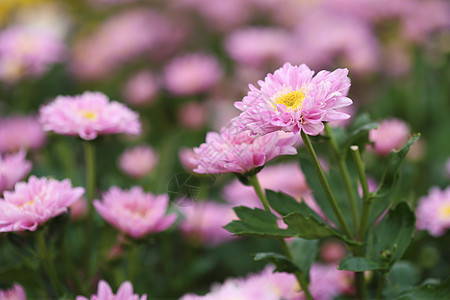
(237, 152)
(433, 211)
(88, 115)
(33, 203)
(13, 167)
(135, 212)
(292, 100)
(104, 292)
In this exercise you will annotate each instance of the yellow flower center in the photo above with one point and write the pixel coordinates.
(445, 211)
(90, 115)
(292, 100)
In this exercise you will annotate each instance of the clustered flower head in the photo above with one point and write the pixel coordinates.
(236, 151)
(135, 212)
(88, 115)
(104, 292)
(433, 211)
(391, 134)
(21, 132)
(15, 293)
(203, 222)
(138, 161)
(27, 52)
(293, 100)
(34, 202)
(13, 167)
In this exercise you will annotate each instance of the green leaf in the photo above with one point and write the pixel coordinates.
(393, 235)
(256, 222)
(429, 291)
(402, 277)
(359, 134)
(360, 264)
(285, 204)
(310, 228)
(281, 262)
(304, 252)
(395, 160)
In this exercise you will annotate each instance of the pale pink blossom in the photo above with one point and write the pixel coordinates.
(203, 222)
(135, 212)
(237, 152)
(21, 132)
(15, 293)
(292, 100)
(27, 52)
(192, 115)
(192, 74)
(141, 88)
(79, 209)
(104, 292)
(34, 202)
(332, 251)
(327, 281)
(258, 46)
(138, 162)
(186, 156)
(391, 134)
(88, 115)
(433, 211)
(13, 167)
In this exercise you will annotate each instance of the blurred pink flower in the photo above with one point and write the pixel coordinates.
(33, 203)
(186, 155)
(327, 281)
(15, 293)
(257, 46)
(104, 292)
(292, 100)
(237, 152)
(138, 162)
(192, 115)
(79, 209)
(433, 211)
(21, 132)
(135, 212)
(27, 52)
(141, 89)
(13, 167)
(203, 222)
(191, 74)
(88, 115)
(332, 251)
(391, 134)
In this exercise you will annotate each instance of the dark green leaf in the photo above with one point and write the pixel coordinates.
(428, 291)
(393, 235)
(402, 277)
(304, 252)
(282, 263)
(359, 132)
(285, 204)
(256, 222)
(360, 264)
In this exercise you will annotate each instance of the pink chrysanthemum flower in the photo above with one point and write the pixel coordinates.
(15, 293)
(141, 88)
(135, 212)
(391, 134)
(33, 203)
(291, 99)
(138, 162)
(13, 167)
(191, 74)
(104, 292)
(27, 52)
(433, 211)
(21, 132)
(204, 221)
(237, 152)
(88, 115)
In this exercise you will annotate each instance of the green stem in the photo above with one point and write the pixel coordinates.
(253, 180)
(132, 266)
(48, 263)
(365, 188)
(89, 156)
(345, 176)
(381, 281)
(72, 272)
(326, 187)
(360, 283)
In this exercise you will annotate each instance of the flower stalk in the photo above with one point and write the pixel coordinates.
(89, 156)
(300, 276)
(48, 263)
